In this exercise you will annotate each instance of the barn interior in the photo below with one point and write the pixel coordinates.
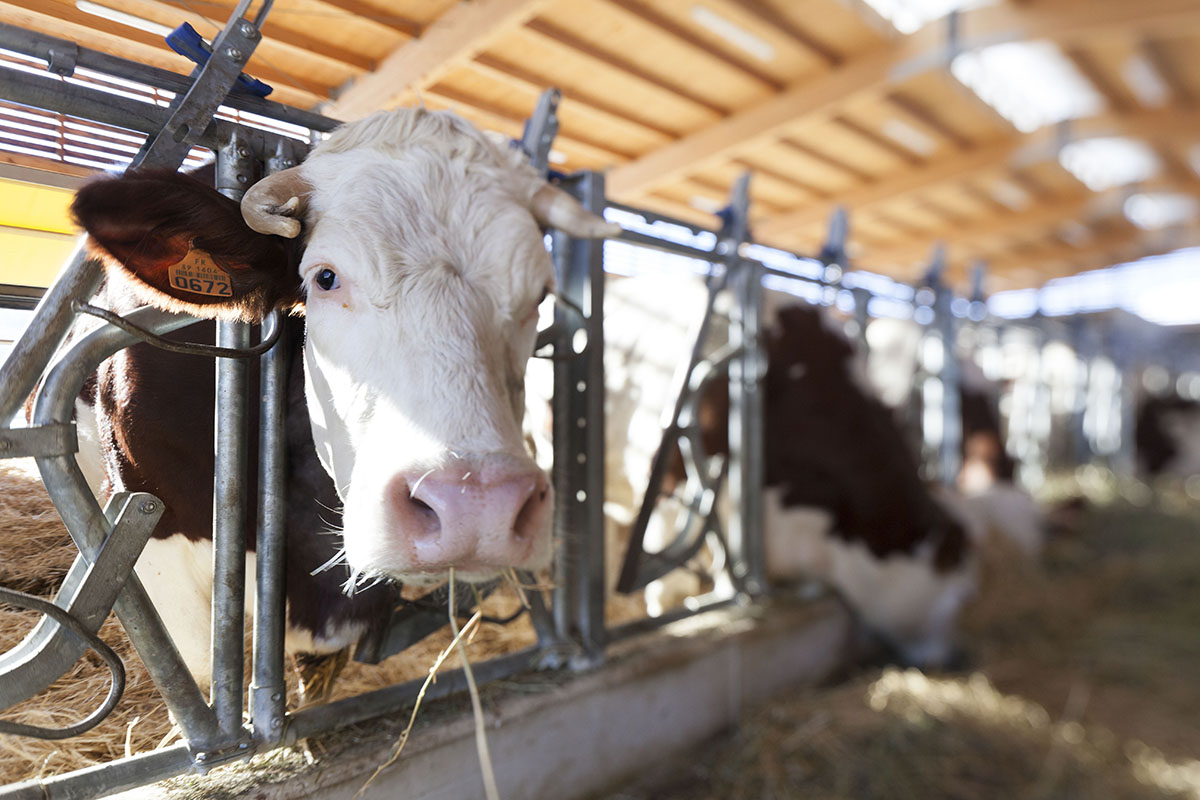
(1015, 184)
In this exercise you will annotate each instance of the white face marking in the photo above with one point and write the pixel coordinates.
(415, 354)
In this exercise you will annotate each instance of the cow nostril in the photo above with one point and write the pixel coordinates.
(528, 518)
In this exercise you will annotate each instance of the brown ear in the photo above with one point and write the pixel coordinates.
(186, 247)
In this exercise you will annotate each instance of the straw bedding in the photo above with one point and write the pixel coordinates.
(1084, 685)
(35, 554)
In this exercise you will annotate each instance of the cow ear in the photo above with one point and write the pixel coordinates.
(183, 246)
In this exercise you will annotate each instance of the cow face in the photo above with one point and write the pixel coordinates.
(421, 270)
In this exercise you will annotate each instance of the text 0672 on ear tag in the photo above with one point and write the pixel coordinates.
(199, 274)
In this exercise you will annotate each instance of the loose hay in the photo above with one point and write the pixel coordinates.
(35, 554)
(1084, 687)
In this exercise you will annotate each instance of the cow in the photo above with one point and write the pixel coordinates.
(1167, 437)
(408, 249)
(1002, 517)
(843, 500)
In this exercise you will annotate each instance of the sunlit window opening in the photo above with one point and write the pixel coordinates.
(1157, 210)
(1162, 289)
(1110, 161)
(909, 16)
(1031, 84)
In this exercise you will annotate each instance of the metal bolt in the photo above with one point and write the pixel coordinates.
(6, 444)
(148, 507)
(202, 756)
(287, 163)
(243, 151)
(277, 696)
(276, 723)
(242, 746)
(242, 179)
(234, 54)
(248, 30)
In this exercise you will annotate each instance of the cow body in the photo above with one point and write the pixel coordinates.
(1167, 437)
(843, 501)
(411, 244)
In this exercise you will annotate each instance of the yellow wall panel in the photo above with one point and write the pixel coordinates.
(38, 208)
(32, 258)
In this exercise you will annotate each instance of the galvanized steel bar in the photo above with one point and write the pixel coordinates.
(579, 432)
(192, 112)
(229, 530)
(41, 46)
(104, 779)
(950, 446)
(233, 175)
(87, 523)
(268, 688)
(51, 321)
(746, 371)
(340, 713)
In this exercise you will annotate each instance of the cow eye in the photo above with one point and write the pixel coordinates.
(327, 280)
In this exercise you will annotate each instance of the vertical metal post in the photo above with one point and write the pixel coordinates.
(746, 371)
(268, 690)
(746, 431)
(234, 171)
(52, 319)
(579, 431)
(267, 687)
(950, 447)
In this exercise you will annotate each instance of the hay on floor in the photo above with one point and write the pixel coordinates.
(1083, 685)
(35, 554)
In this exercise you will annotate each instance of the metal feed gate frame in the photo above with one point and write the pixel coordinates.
(110, 539)
(571, 633)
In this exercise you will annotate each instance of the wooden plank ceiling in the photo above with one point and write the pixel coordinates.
(823, 99)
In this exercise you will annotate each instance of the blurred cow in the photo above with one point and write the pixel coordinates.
(843, 500)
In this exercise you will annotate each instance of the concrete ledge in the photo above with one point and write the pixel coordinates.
(562, 736)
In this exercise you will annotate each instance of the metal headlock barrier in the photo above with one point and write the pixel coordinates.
(571, 628)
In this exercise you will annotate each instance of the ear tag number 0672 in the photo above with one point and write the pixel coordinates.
(199, 274)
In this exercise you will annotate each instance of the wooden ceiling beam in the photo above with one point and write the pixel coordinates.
(396, 22)
(881, 71)
(454, 38)
(566, 39)
(573, 98)
(1166, 70)
(913, 113)
(65, 21)
(594, 151)
(649, 16)
(1014, 151)
(173, 12)
(967, 242)
(773, 19)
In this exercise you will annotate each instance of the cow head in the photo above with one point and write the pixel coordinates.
(419, 265)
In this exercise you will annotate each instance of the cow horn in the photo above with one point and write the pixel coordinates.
(555, 208)
(273, 204)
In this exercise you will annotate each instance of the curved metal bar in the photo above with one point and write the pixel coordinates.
(111, 660)
(272, 326)
(88, 525)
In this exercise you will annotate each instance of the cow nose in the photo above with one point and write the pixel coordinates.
(474, 520)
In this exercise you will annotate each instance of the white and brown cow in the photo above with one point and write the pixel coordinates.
(843, 501)
(412, 246)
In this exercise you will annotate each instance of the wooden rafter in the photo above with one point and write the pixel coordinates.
(456, 37)
(996, 156)
(878, 72)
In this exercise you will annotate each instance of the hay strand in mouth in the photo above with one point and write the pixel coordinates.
(481, 745)
(412, 719)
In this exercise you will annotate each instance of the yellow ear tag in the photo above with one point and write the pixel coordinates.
(199, 274)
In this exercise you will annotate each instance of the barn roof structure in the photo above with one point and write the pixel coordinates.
(1046, 137)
